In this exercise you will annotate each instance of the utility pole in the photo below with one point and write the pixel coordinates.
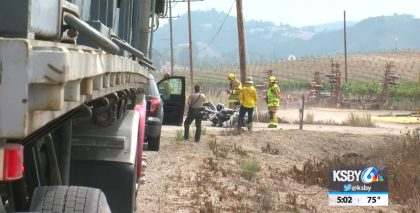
(345, 47)
(190, 45)
(171, 37)
(150, 55)
(241, 40)
(189, 35)
(144, 20)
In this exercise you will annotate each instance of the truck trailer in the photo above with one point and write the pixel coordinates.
(73, 76)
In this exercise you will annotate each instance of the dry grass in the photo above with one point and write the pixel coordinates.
(357, 120)
(294, 206)
(270, 150)
(216, 168)
(313, 172)
(210, 192)
(402, 161)
(224, 151)
(217, 149)
(329, 122)
(230, 132)
(309, 118)
(264, 117)
(291, 199)
(351, 120)
(265, 198)
(239, 150)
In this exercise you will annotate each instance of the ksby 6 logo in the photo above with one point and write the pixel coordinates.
(368, 175)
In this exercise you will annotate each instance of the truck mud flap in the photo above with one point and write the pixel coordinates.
(106, 158)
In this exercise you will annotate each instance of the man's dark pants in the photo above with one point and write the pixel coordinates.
(193, 114)
(242, 111)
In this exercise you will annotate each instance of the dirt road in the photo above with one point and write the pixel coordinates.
(208, 177)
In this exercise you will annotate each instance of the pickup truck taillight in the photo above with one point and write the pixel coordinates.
(154, 105)
(12, 162)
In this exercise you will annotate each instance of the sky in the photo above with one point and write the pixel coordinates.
(299, 13)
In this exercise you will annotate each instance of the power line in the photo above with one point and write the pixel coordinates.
(221, 26)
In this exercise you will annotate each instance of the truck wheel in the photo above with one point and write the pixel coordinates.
(69, 199)
(153, 143)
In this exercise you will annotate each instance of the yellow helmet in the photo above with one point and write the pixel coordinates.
(231, 77)
(272, 79)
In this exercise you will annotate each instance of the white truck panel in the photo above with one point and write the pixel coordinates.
(41, 15)
(13, 89)
(41, 81)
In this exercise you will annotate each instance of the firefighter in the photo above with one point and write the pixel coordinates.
(166, 89)
(248, 97)
(273, 101)
(235, 87)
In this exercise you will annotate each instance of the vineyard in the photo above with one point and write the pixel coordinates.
(365, 75)
(360, 67)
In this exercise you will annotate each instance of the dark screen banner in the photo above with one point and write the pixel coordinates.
(358, 186)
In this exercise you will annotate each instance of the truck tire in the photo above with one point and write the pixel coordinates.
(153, 143)
(69, 199)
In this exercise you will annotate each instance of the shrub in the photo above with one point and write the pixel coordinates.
(179, 135)
(309, 118)
(404, 170)
(356, 120)
(218, 150)
(401, 159)
(250, 168)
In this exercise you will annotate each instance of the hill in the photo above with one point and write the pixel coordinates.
(268, 41)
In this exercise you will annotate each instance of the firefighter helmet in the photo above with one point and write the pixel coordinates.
(231, 77)
(249, 80)
(272, 79)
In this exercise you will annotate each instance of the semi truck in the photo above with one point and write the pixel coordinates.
(73, 79)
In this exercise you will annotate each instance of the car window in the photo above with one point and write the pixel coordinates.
(170, 87)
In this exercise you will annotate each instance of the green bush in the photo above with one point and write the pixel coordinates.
(179, 135)
(370, 89)
(250, 168)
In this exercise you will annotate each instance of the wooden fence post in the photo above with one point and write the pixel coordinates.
(301, 111)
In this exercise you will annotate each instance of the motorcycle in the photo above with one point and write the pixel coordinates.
(220, 115)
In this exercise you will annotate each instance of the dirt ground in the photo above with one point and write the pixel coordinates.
(206, 177)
